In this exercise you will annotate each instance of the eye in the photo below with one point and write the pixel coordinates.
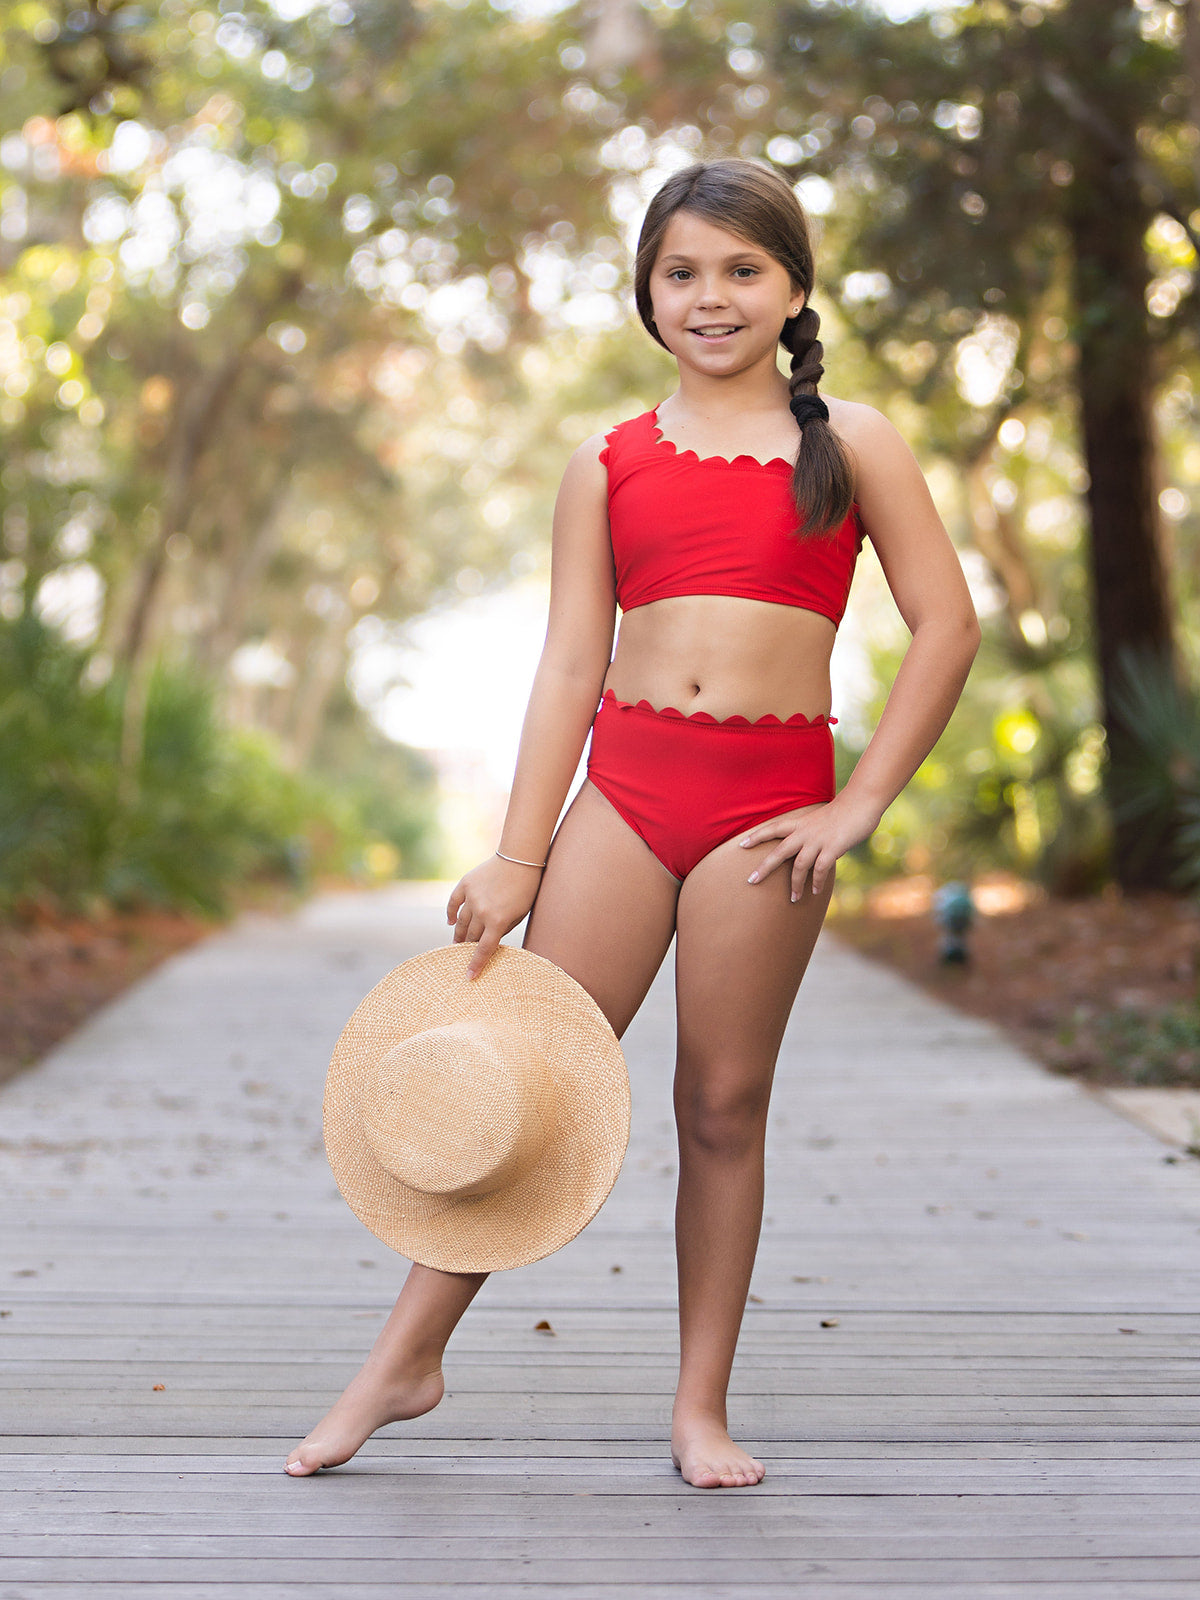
(753, 271)
(675, 271)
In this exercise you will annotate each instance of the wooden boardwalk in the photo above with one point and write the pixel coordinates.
(970, 1358)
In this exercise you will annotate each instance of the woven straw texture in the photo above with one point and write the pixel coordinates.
(544, 1206)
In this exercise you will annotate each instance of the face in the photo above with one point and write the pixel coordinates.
(719, 302)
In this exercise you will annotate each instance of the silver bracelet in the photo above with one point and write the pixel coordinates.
(514, 860)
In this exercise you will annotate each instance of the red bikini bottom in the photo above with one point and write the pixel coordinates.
(685, 784)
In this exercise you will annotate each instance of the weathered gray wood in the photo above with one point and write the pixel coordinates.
(976, 1427)
(819, 1589)
(478, 1571)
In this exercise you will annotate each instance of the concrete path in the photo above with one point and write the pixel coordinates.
(969, 1361)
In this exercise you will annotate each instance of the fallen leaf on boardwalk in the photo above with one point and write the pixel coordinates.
(159, 1387)
(366, 1313)
(829, 1322)
(543, 1327)
(1069, 1234)
(1119, 1330)
(5, 1313)
(755, 1299)
(367, 1263)
(616, 1269)
(797, 1278)
(25, 1272)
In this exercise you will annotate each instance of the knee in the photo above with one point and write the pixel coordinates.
(723, 1118)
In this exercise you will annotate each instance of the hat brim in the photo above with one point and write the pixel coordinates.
(559, 1194)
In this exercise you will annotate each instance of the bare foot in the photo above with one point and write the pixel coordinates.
(370, 1402)
(708, 1458)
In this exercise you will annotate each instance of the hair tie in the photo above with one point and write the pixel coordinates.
(804, 407)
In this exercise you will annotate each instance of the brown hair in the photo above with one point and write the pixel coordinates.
(757, 203)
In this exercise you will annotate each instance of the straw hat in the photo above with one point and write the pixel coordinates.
(476, 1124)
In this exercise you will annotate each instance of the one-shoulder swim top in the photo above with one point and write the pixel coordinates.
(687, 524)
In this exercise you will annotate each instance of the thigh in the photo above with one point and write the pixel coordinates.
(605, 910)
(741, 950)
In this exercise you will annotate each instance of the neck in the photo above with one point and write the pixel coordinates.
(702, 396)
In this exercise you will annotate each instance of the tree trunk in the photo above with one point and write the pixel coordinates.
(197, 415)
(326, 662)
(1116, 387)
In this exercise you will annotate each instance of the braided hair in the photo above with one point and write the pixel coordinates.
(754, 201)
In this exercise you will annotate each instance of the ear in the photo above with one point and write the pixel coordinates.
(799, 300)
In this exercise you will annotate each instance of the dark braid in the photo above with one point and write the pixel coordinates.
(755, 202)
(823, 479)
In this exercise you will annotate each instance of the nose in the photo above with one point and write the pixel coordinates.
(711, 294)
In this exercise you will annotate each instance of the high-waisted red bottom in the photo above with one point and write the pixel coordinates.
(685, 784)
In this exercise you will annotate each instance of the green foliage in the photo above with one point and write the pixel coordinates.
(1155, 778)
(207, 809)
(1013, 783)
(1137, 1046)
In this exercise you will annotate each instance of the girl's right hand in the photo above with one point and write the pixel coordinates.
(488, 902)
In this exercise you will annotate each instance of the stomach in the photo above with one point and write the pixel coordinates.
(725, 655)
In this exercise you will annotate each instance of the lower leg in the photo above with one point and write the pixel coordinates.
(717, 1222)
(402, 1376)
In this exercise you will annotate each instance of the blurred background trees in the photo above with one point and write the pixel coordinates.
(303, 304)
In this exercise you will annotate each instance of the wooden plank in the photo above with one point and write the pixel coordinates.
(681, 1569)
(901, 1518)
(795, 1589)
(904, 1541)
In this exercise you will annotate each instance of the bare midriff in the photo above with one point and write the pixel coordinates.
(725, 655)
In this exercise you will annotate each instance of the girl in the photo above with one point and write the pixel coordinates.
(725, 524)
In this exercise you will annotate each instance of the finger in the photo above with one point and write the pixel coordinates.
(457, 895)
(769, 862)
(805, 859)
(483, 954)
(822, 867)
(779, 829)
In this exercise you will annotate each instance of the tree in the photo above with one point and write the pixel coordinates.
(981, 149)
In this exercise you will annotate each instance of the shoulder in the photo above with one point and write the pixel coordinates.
(876, 445)
(595, 454)
(861, 426)
(585, 474)
(864, 429)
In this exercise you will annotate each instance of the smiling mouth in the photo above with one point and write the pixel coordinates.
(715, 333)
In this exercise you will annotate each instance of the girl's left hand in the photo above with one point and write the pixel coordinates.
(815, 837)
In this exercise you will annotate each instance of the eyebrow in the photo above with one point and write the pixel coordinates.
(738, 255)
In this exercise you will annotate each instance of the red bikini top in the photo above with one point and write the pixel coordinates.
(685, 524)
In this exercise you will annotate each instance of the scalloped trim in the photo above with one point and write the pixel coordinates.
(738, 462)
(706, 718)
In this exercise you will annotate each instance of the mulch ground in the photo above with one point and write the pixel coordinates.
(1106, 988)
(55, 970)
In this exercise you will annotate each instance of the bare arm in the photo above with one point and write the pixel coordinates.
(926, 580)
(492, 898)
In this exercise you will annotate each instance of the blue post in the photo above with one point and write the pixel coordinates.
(954, 912)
